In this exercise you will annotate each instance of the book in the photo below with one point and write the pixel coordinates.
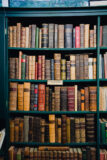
(13, 96)
(26, 96)
(41, 97)
(68, 35)
(77, 37)
(60, 36)
(52, 128)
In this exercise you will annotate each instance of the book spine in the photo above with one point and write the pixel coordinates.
(20, 97)
(13, 97)
(71, 98)
(43, 66)
(86, 98)
(44, 35)
(39, 67)
(63, 69)
(10, 36)
(57, 98)
(61, 36)
(94, 68)
(33, 35)
(52, 128)
(93, 98)
(20, 56)
(40, 38)
(91, 38)
(68, 35)
(77, 37)
(17, 68)
(50, 99)
(27, 68)
(56, 36)
(68, 69)
(47, 99)
(41, 98)
(32, 89)
(81, 67)
(27, 96)
(48, 69)
(63, 96)
(57, 59)
(82, 35)
(72, 68)
(101, 33)
(12, 68)
(52, 69)
(30, 36)
(51, 35)
(27, 37)
(82, 100)
(86, 35)
(14, 36)
(53, 101)
(77, 66)
(23, 37)
(90, 61)
(35, 97)
(18, 35)
(64, 129)
(37, 38)
(23, 64)
(85, 67)
(74, 38)
(95, 30)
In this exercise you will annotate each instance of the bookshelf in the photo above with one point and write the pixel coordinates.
(12, 14)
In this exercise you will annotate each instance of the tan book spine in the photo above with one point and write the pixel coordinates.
(100, 105)
(26, 96)
(20, 97)
(87, 35)
(33, 59)
(30, 33)
(72, 67)
(43, 67)
(94, 68)
(57, 98)
(40, 37)
(20, 56)
(52, 128)
(27, 37)
(30, 66)
(59, 130)
(18, 34)
(14, 36)
(10, 36)
(91, 38)
(16, 129)
(57, 66)
(60, 36)
(23, 37)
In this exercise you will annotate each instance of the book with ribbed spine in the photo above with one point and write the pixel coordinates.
(35, 97)
(86, 95)
(64, 129)
(93, 98)
(52, 69)
(77, 37)
(45, 35)
(27, 37)
(63, 69)
(37, 38)
(82, 35)
(43, 66)
(95, 35)
(47, 99)
(68, 70)
(23, 64)
(18, 34)
(71, 98)
(85, 67)
(48, 69)
(72, 67)
(56, 36)
(68, 35)
(81, 70)
(12, 68)
(41, 97)
(60, 36)
(20, 97)
(14, 36)
(63, 97)
(52, 128)
(86, 39)
(51, 35)
(57, 98)
(68, 130)
(33, 35)
(57, 66)
(27, 96)
(13, 97)
(82, 100)
(23, 37)
(91, 38)
(32, 90)
(39, 67)
(77, 66)
(20, 56)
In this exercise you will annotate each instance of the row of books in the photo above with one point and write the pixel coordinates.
(103, 130)
(52, 153)
(103, 98)
(28, 96)
(103, 65)
(53, 129)
(103, 154)
(79, 66)
(52, 36)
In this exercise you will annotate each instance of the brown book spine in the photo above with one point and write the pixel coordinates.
(81, 66)
(26, 96)
(91, 38)
(39, 67)
(61, 36)
(13, 97)
(18, 35)
(30, 37)
(40, 37)
(77, 130)
(72, 68)
(57, 58)
(47, 69)
(94, 68)
(23, 37)
(12, 136)
(36, 70)
(42, 130)
(87, 35)
(47, 99)
(86, 98)
(17, 67)
(53, 101)
(101, 30)
(52, 128)
(20, 97)
(85, 67)
(20, 56)
(10, 36)
(30, 66)
(43, 66)
(82, 100)
(27, 68)
(93, 98)
(41, 98)
(12, 68)
(16, 130)
(63, 69)
(14, 36)
(57, 98)
(95, 30)
(59, 130)
(21, 130)
(64, 129)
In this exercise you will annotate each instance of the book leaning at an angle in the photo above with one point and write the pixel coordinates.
(2, 136)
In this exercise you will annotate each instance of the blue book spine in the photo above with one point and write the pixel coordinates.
(103, 76)
(52, 69)
(73, 37)
(68, 35)
(36, 98)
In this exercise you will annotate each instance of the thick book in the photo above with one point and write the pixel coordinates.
(57, 66)
(52, 128)
(77, 37)
(51, 35)
(13, 97)
(72, 67)
(27, 96)
(20, 97)
(68, 35)
(45, 34)
(60, 36)
(41, 97)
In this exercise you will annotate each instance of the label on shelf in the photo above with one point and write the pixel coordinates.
(55, 82)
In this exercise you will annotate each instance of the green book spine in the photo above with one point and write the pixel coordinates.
(106, 132)
(84, 156)
(37, 37)
(23, 66)
(103, 132)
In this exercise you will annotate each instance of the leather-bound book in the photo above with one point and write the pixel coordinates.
(11, 153)
(53, 101)
(51, 155)
(45, 35)
(20, 97)
(14, 36)
(86, 95)
(76, 89)
(63, 69)
(33, 59)
(82, 99)
(81, 70)
(55, 155)
(64, 129)
(36, 70)
(41, 97)
(77, 37)
(71, 154)
(91, 38)
(93, 98)
(75, 154)
(77, 66)
(20, 56)
(64, 155)
(51, 35)
(77, 130)
(12, 127)
(30, 36)
(85, 67)
(95, 35)
(74, 38)
(53, 148)
(84, 155)
(32, 90)
(59, 155)
(47, 99)
(52, 128)
(31, 152)
(43, 155)
(21, 130)
(50, 99)
(78, 100)
(40, 38)
(52, 69)
(101, 35)
(39, 67)
(16, 129)
(12, 67)
(88, 154)
(63, 98)
(46, 132)
(10, 43)
(26, 153)
(18, 35)
(72, 129)
(71, 98)
(23, 64)
(86, 39)
(43, 66)
(38, 133)
(48, 69)
(56, 130)
(35, 97)
(13, 97)
(47, 155)
(37, 38)
(68, 35)
(93, 153)
(82, 31)
(31, 131)
(27, 37)
(27, 67)
(16, 68)
(68, 130)
(82, 130)
(57, 59)
(23, 37)
(57, 98)
(60, 36)
(94, 68)
(42, 128)
(33, 35)
(56, 36)
(35, 132)
(59, 131)
(35, 156)
(30, 67)
(72, 68)
(26, 128)
(68, 70)
(27, 96)
(39, 154)
(79, 153)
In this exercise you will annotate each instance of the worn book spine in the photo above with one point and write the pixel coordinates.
(16, 129)
(82, 100)
(101, 35)
(77, 37)
(21, 130)
(42, 128)
(57, 59)
(47, 133)
(59, 130)
(68, 35)
(52, 128)
(68, 70)
(72, 67)
(81, 66)
(14, 36)
(77, 66)
(11, 124)
(91, 38)
(36, 70)
(33, 67)
(10, 36)
(86, 95)
(82, 130)
(23, 37)
(73, 37)
(53, 101)
(85, 67)
(29, 67)
(13, 97)
(18, 35)
(64, 129)
(12, 68)
(94, 67)
(60, 36)
(23, 65)
(56, 36)
(52, 69)
(48, 69)
(47, 99)
(51, 35)
(95, 35)
(26, 128)
(63, 69)
(27, 37)
(33, 35)
(63, 98)
(35, 97)
(30, 36)
(20, 97)
(86, 35)
(50, 99)
(37, 38)
(27, 96)
(71, 98)
(90, 69)
(68, 130)
(93, 98)
(39, 67)
(40, 38)
(72, 129)
(20, 56)
(43, 66)
(57, 98)
(77, 130)
(17, 68)
(32, 97)
(82, 31)
(41, 97)
(45, 35)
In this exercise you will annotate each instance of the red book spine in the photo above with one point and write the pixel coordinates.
(101, 31)
(77, 37)
(36, 70)
(41, 98)
(102, 156)
(39, 68)
(71, 98)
